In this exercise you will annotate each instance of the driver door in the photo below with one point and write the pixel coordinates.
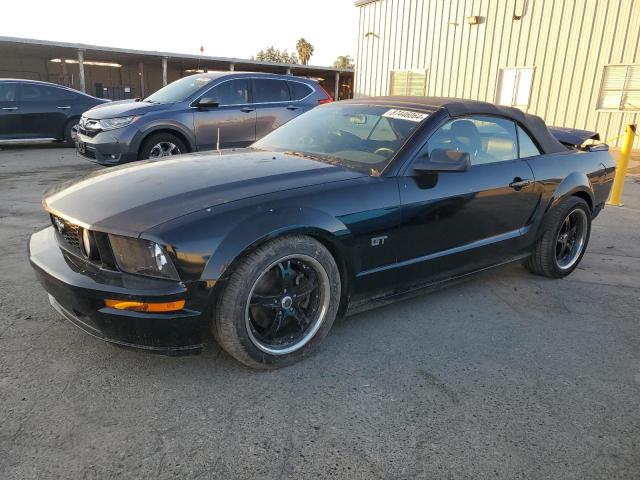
(232, 122)
(458, 222)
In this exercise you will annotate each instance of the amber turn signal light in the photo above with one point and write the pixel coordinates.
(145, 307)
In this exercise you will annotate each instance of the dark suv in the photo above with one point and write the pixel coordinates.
(199, 112)
(33, 110)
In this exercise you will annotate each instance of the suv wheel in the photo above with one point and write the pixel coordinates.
(161, 145)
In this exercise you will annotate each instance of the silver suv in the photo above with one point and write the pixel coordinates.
(199, 112)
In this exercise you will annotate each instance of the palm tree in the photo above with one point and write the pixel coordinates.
(305, 50)
(344, 61)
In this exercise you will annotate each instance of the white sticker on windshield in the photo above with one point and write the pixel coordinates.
(405, 115)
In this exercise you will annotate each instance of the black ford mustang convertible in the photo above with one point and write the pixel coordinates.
(349, 205)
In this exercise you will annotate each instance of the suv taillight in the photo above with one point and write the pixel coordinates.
(328, 99)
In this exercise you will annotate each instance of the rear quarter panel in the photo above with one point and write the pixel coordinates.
(559, 175)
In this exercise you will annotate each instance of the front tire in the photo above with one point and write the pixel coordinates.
(161, 145)
(565, 235)
(279, 303)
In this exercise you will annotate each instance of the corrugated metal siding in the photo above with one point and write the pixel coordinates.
(568, 42)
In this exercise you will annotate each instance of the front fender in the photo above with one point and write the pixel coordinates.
(168, 125)
(272, 222)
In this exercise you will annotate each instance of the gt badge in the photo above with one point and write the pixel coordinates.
(375, 241)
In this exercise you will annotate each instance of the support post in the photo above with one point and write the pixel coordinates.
(621, 166)
(336, 93)
(81, 70)
(141, 74)
(288, 70)
(65, 75)
(164, 71)
(232, 67)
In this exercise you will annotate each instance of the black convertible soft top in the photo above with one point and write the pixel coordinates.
(459, 106)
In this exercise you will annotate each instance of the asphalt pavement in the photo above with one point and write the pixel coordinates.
(507, 376)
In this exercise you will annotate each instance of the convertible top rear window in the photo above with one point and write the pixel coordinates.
(361, 137)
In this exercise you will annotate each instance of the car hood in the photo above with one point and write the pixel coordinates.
(131, 199)
(118, 109)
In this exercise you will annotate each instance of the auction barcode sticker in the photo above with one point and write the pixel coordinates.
(405, 115)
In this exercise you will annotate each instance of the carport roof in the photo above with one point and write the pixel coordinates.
(69, 50)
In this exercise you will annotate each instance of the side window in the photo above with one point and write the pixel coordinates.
(61, 94)
(42, 93)
(486, 139)
(8, 92)
(232, 92)
(267, 91)
(32, 93)
(527, 147)
(299, 90)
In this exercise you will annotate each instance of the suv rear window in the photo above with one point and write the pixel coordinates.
(267, 90)
(299, 90)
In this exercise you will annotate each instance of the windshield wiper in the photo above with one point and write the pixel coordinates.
(310, 156)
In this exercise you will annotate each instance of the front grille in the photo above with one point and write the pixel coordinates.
(69, 238)
(86, 122)
(88, 133)
(88, 153)
(69, 235)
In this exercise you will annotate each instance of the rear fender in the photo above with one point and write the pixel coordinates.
(576, 183)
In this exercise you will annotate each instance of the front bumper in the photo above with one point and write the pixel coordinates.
(77, 290)
(112, 147)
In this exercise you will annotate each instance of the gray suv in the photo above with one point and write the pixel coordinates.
(199, 112)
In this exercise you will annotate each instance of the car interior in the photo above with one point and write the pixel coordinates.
(485, 141)
(364, 138)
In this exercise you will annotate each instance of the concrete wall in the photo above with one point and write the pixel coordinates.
(568, 42)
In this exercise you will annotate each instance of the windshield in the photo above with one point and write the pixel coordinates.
(361, 137)
(179, 90)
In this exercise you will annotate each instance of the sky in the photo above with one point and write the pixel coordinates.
(225, 28)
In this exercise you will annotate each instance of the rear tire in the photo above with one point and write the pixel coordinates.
(558, 251)
(161, 145)
(69, 128)
(279, 303)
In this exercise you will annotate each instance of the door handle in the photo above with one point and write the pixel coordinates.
(518, 183)
(9, 108)
(247, 109)
(292, 107)
(64, 108)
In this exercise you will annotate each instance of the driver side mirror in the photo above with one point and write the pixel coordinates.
(442, 160)
(207, 102)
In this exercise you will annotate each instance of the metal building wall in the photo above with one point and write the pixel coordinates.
(568, 42)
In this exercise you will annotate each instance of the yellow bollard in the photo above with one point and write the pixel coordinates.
(621, 167)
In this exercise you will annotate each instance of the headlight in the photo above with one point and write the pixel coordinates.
(142, 257)
(89, 247)
(119, 122)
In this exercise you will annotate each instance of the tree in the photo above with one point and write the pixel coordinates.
(344, 61)
(305, 50)
(271, 54)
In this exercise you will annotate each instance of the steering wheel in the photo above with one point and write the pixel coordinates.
(384, 150)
